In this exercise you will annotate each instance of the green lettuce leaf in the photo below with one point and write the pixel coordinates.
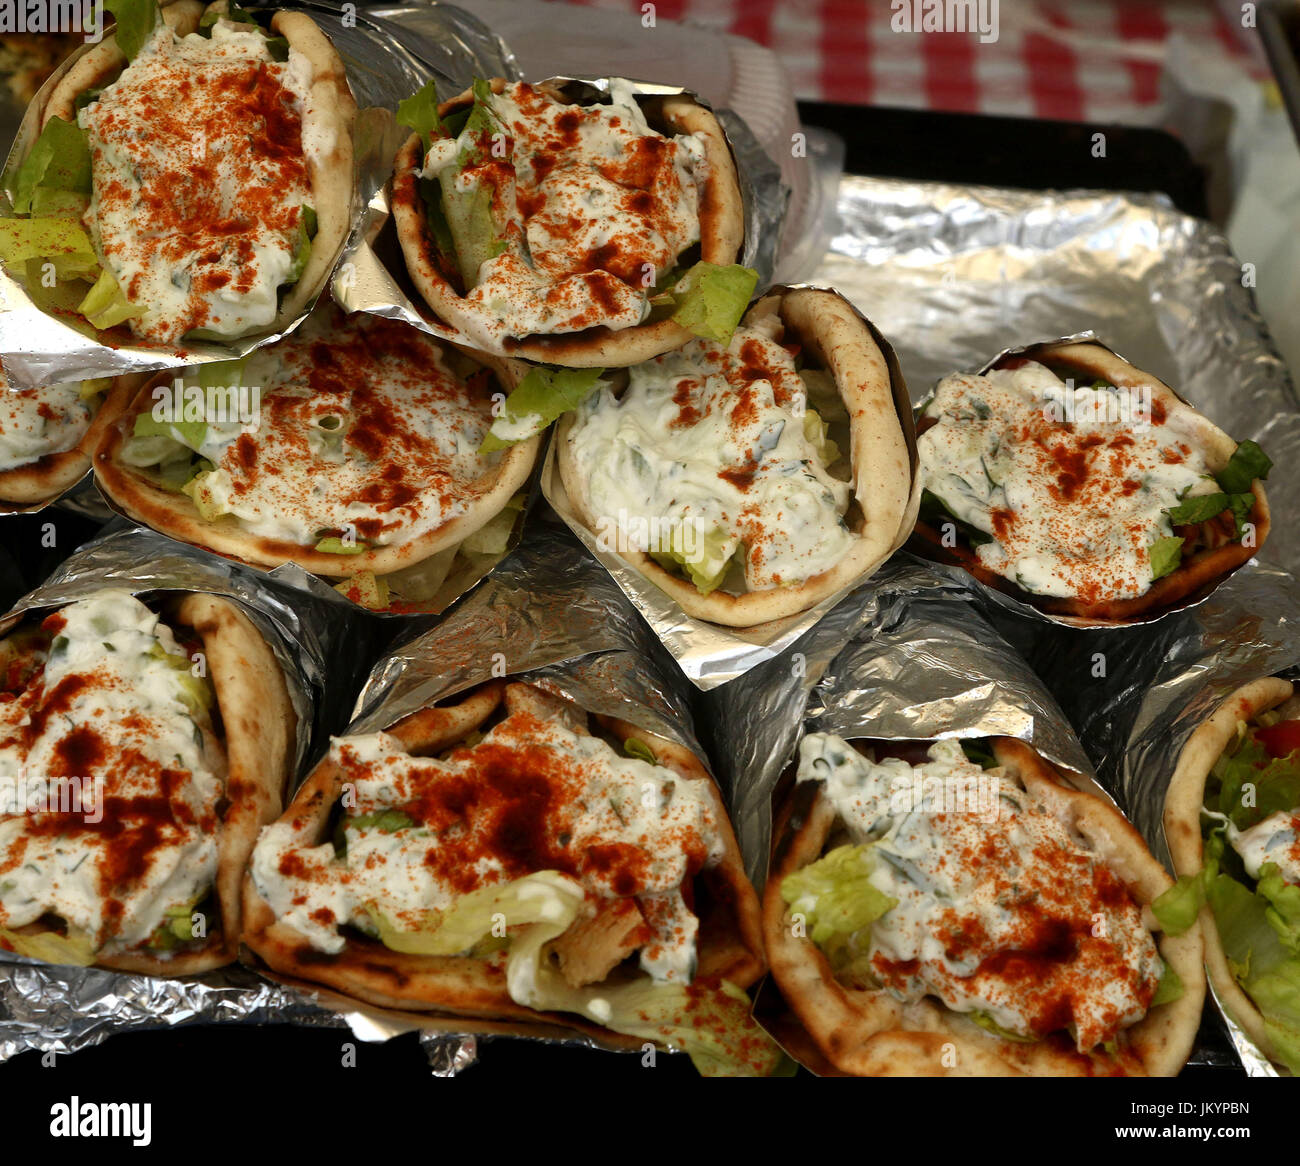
(59, 161)
(1267, 972)
(989, 1025)
(536, 401)
(56, 240)
(1166, 554)
(1177, 908)
(1283, 910)
(105, 304)
(136, 20)
(419, 112)
(1170, 987)
(836, 898)
(1275, 782)
(709, 300)
(73, 949)
(189, 433)
(706, 566)
(1247, 463)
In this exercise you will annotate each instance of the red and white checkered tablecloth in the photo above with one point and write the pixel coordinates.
(1078, 60)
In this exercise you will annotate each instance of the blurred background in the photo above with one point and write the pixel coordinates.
(1191, 95)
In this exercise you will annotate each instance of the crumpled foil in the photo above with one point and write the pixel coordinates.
(1159, 689)
(384, 62)
(952, 273)
(1010, 602)
(551, 616)
(552, 613)
(906, 656)
(364, 284)
(63, 1008)
(712, 654)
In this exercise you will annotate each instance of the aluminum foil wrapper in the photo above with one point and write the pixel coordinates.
(1158, 691)
(1010, 602)
(384, 62)
(711, 654)
(551, 616)
(547, 614)
(364, 284)
(951, 273)
(64, 1008)
(907, 656)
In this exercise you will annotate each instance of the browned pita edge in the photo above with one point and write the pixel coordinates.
(722, 232)
(137, 492)
(462, 986)
(257, 728)
(836, 339)
(1197, 575)
(867, 1033)
(1182, 820)
(42, 481)
(331, 177)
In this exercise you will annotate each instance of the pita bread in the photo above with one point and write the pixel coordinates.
(330, 174)
(868, 1033)
(833, 337)
(729, 943)
(1182, 821)
(139, 493)
(45, 479)
(257, 726)
(722, 230)
(1197, 575)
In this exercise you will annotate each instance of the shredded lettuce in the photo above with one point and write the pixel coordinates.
(816, 430)
(105, 304)
(838, 902)
(989, 1025)
(332, 545)
(302, 248)
(709, 1020)
(1274, 782)
(189, 433)
(493, 537)
(56, 240)
(72, 949)
(707, 564)
(635, 747)
(1267, 972)
(135, 22)
(536, 401)
(199, 491)
(709, 299)
(366, 589)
